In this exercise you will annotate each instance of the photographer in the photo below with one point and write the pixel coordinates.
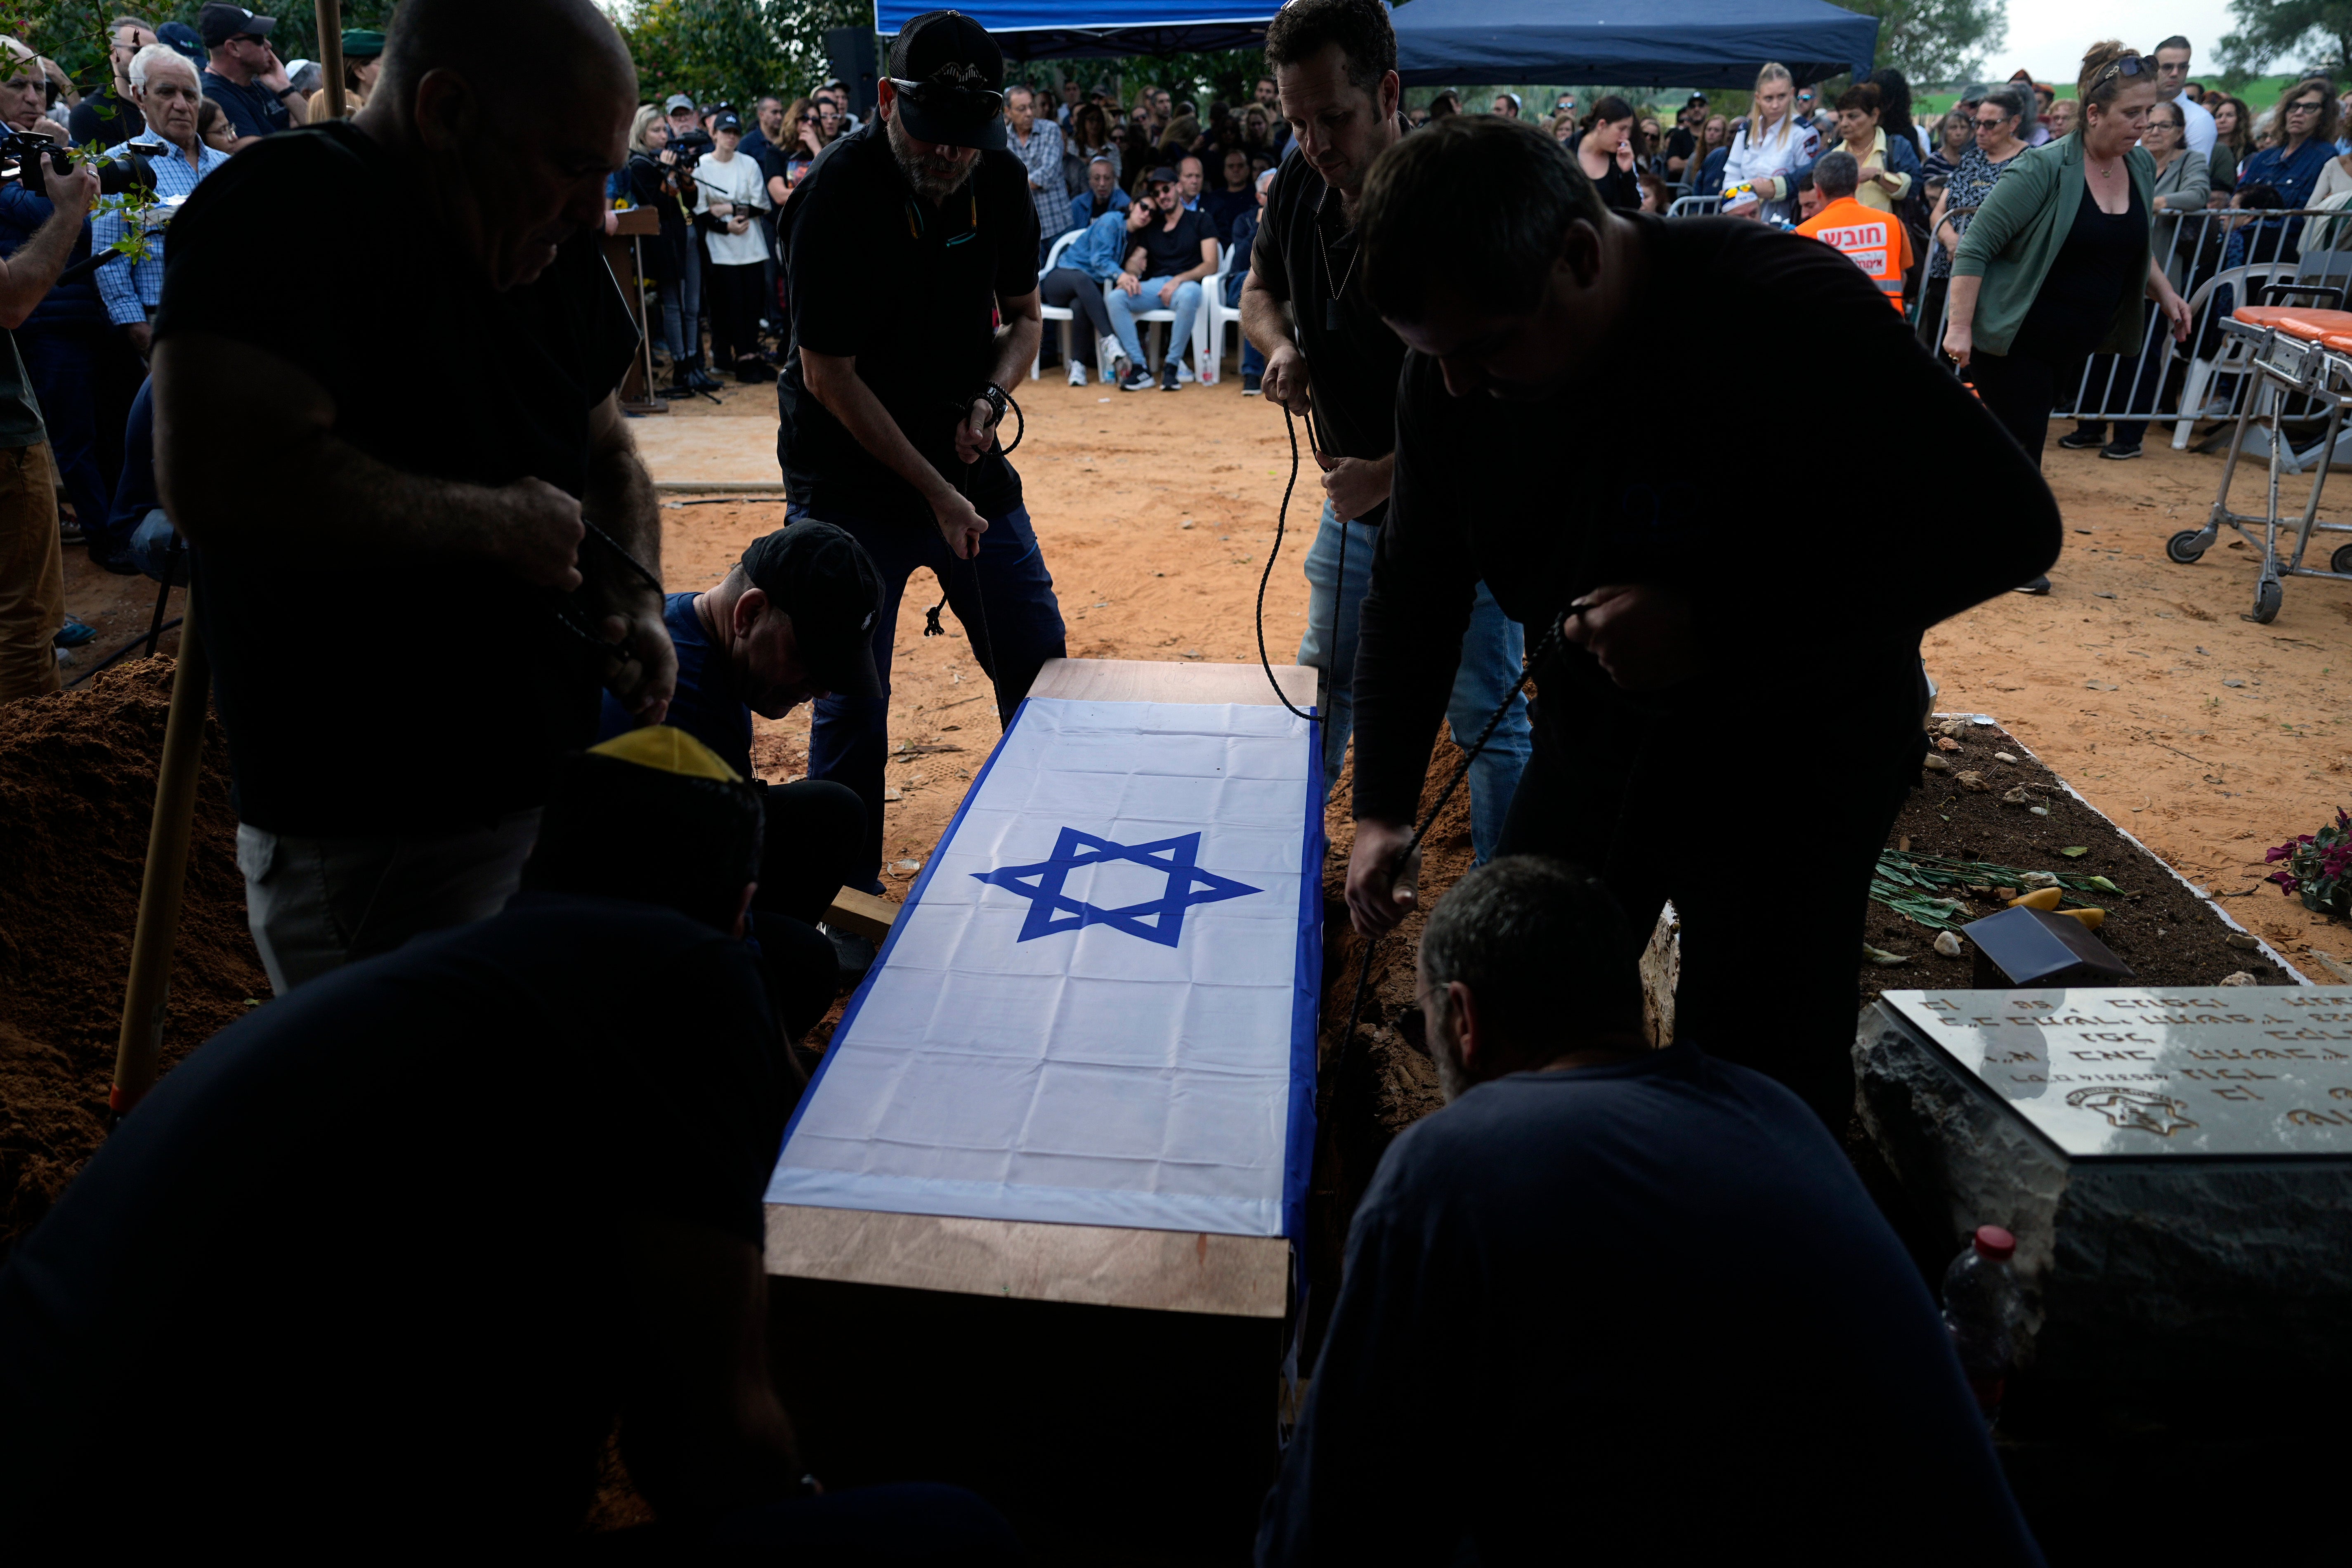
(688, 142)
(164, 88)
(732, 197)
(660, 183)
(448, 539)
(32, 569)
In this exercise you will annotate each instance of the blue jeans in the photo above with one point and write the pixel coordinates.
(1253, 362)
(1125, 308)
(1014, 623)
(61, 362)
(1493, 659)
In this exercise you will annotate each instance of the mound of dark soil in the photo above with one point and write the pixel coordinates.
(77, 793)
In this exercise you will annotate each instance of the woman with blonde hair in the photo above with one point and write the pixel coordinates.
(1759, 177)
(2059, 258)
(656, 181)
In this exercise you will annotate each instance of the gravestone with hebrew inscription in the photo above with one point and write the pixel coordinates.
(2176, 1166)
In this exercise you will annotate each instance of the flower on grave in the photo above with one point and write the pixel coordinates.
(2319, 865)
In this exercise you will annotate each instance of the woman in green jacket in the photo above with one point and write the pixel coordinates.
(2056, 263)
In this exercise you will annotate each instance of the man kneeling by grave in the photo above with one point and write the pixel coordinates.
(377, 1268)
(791, 622)
(1619, 1305)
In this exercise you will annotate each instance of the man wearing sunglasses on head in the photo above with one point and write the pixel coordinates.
(912, 262)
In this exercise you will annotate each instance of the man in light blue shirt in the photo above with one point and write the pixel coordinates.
(1101, 196)
(163, 85)
(1037, 143)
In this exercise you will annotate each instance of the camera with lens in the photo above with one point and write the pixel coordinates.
(692, 146)
(115, 176)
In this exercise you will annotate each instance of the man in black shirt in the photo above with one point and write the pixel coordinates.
(384, 1261)
(1331, 358)
(1682, 141)
(447, 538)
(1617, 1305)
(1697, 614)
(1166, 260)
(108, 116)
(244, 76)
(905, 242)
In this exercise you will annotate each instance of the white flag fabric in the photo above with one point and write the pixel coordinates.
(1097, 1006)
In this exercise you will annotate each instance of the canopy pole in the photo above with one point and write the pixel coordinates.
(331, 54)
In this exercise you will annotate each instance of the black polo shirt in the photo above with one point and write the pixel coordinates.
(1307, 253)
(910, 290)
(252, 108)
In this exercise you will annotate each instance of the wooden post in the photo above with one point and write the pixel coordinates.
(145, 1000)
(331, 54)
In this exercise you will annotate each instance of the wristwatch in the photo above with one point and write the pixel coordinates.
(996, 401)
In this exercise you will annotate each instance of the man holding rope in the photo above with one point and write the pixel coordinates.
(444, 550)
(1721, 697)
(1335, 69)
(911, 251)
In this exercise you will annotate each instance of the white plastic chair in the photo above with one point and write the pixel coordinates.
(1220, 315)
(2236, 353)
(1060, 313)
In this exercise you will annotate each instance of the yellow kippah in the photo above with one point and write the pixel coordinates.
(671, 750)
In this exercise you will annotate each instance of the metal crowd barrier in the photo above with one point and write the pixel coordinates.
(2219, 261)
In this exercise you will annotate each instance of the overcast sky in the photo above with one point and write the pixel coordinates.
(2048, 36)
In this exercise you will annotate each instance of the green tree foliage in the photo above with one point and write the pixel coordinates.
(1932, 41)
(734, 50)
(2312, 34)
(73, 32)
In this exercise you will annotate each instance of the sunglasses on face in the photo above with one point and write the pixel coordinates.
(2306, 108)
(943, 95)
(1992, 124)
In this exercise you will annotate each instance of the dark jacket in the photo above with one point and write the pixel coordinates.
(68, 306)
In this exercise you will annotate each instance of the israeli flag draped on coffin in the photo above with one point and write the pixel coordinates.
(1097, 1006)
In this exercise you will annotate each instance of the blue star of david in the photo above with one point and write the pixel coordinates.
(1052, 911)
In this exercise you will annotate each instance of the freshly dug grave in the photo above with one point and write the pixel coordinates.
(2166, 933)
(77, 794)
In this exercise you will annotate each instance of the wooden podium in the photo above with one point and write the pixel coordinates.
(623, 253)
(1116, 1391)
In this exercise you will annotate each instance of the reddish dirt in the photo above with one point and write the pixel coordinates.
(77, 791)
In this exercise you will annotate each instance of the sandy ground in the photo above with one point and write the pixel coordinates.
(2209, 737)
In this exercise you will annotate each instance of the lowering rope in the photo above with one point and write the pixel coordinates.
(1544, 651)
(986, 646)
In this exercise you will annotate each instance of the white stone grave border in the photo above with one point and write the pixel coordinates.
(2199, 894)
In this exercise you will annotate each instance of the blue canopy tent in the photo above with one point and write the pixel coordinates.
(1101, 29)
(1698, 43)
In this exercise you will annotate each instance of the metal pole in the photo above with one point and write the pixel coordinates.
(146, 998)
(331, 54)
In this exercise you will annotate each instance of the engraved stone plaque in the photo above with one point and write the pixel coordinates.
(2132, 1073)
(2176, 1165)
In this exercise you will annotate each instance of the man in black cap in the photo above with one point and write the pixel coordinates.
(1682, 141)
(792, 622)
(452, 541)
(906, 242)
(245, 76)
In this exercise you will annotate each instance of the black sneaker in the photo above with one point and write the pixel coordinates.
(1249, 386)
(1137, 379)
(2085, 436)
(2039, 585)
(1167, 382)
(2115, 451)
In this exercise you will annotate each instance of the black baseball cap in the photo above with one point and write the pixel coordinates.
(1162, 175)
(220, 23)
(727, 121)
(1695, 98)
(949, 76)
(822, 578)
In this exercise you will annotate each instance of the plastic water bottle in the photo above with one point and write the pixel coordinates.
(1982, 1306)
